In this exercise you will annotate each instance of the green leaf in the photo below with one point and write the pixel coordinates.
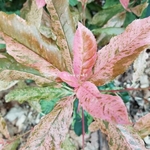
(104, 15)
(73, 2)
(37, 93)
(13, 145)
(108, 31)
(48, 105)
(111, 3)
(77, 120)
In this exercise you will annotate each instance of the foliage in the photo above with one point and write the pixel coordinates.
(45, 47)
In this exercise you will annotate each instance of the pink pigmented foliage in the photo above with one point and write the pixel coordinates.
(103, 106)
(85, 52)
(40, 3)
(69, 79)
(125, 3)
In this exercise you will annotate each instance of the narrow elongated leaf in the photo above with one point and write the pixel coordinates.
(63, 27)
(106, 107)
(142, 126)
(28, 35)
(13, 75)
(37, 93)
(119, 137)
(69, 79)
(51, 131)
(121, 51)
(85, 53)
(29, 58)
(11, 71)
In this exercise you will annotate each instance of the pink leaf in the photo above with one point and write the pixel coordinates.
(29, 58)
(84, 49)
(52, 129)
(115, 58)
(40, 3)
(69, 79)
(125, 3)
(106, 107)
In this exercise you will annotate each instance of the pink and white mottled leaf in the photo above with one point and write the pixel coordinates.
(142, 126)
(40, 3)
(106, 107)
(84, 50)
(119, 137)
(115, 58)
(69, 79)
(29, 58)
(52, 129)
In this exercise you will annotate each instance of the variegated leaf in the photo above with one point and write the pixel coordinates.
(13, 75)
(28, 35)
(29, 58)
(115, 58)
(85, 53)
(119, 137)
(52, 130)
(63, 27)
(103, 106)
(142, 126)
(69, 79)
(37, 93)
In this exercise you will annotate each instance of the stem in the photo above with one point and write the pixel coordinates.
(83, 2)
(83, 129)
(127, 89)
